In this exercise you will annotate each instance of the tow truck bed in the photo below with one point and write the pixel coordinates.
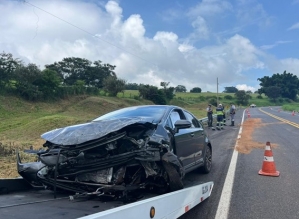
(41, 204)
(31, 203)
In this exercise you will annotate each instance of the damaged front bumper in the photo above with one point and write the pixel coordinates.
(129, 158)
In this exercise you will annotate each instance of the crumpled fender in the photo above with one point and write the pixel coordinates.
(171, 159)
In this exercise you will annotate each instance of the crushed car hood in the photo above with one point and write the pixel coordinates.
(77, 134)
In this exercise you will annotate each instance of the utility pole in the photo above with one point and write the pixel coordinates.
(217, 92)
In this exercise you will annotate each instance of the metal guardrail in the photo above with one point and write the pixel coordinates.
(204, 120)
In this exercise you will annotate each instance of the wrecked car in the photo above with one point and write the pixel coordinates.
(142, 147)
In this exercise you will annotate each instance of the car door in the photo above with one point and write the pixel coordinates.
(185, 147)
(198, 137)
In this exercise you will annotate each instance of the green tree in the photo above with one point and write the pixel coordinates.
(287, 82)
(48, 83)
(152, 93)
(97, 73)
(73, 69)
(242, 97)
(164, 84)
(26, 81)
(168, 91)
(230, 90)
(7, 67)
(273, 92)
(180, 88)
(79, 87)
(195, 90)
(132, 86)
(113, 85)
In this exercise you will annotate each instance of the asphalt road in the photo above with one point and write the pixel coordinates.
(252, 195)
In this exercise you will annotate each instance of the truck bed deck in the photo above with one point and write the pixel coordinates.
(20, 201)
(41, 204)
(23, 202)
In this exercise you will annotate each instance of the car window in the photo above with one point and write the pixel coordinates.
(191, 119)
(169, 124)
(154, 112)
(175, 116)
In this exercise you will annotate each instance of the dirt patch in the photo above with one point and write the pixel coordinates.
(246, 143)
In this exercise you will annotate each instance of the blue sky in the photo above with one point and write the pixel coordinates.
(190, 43)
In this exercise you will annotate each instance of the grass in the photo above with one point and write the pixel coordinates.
(22, 122)
(291, 107)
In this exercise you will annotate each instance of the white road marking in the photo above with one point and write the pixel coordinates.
(224, 203)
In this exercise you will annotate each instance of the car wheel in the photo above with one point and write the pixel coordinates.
(175, 181)
(207, 166)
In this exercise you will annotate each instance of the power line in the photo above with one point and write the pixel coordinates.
(93, 35)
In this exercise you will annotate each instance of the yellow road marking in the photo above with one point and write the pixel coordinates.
(281, 119)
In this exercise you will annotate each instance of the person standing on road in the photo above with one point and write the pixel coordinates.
(219, 112)
(232, 112)
(210, 115)
(224, 116)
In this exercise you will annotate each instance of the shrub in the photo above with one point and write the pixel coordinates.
(213, 102)
(211, 97)
(228, 97)
(288, 100)
(136, 97)
(202, 98)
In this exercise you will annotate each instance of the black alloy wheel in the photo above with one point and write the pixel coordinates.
(207, 166)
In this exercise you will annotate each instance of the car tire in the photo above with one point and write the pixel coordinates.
(175, 181)
(207, 166)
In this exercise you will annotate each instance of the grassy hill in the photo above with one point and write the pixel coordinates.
(22, 122)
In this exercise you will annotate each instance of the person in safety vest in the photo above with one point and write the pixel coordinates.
(219, 113)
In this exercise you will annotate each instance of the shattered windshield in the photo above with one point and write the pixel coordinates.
(154, 112)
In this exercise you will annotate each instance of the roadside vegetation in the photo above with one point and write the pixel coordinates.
(23, 121)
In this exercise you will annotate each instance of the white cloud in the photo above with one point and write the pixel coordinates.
(200, 29)
(245, 87)
(252, 12)
(294, 26)
(265, 47)
(185, 48)
(210, 8)
(171, 15)
(290, 65)
(165, 36)
(38, 37)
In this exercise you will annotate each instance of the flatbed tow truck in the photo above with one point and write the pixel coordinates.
(20, 201)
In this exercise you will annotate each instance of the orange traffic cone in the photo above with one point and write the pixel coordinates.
(268, 168)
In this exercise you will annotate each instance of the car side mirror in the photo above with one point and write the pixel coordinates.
(181, 124)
